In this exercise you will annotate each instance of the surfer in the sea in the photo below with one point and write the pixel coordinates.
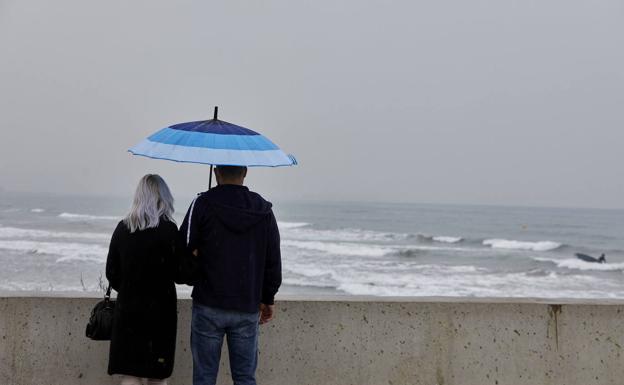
(588, 258)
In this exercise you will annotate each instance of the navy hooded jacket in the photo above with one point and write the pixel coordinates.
(238, 241)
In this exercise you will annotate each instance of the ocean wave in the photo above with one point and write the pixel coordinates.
(447, 239)
(50, 285)
(72, 216)
(291, 225)
(384, 280)
(303, 282)
(309, 270)
(344, 248)
(65, 250)
(577, 264)
(344, 235)
(368, 276)
(365, 249)
(521, 245)
(302, 231)
(539, 272)
(16, 232)
(438, 238)
(469, 284)
(450, 268)
(415, 251)
(409, 253)
(37, 210)
(81, 258)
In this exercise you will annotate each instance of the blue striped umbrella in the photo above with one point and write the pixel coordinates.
(213, 142)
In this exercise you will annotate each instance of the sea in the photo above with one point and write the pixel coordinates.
(54, 243)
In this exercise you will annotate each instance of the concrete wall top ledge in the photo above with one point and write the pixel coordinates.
(353, 298)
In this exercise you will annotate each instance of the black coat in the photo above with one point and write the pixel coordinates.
(238, 240)
(141, 268)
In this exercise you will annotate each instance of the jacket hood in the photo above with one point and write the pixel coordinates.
(240, 220)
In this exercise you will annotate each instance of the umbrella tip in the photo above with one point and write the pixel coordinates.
(216, 111)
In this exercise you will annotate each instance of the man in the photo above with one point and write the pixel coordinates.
(234, 235)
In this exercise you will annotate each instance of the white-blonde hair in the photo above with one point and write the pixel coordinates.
(152, 201)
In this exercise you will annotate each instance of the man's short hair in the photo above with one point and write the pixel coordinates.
(232, 172)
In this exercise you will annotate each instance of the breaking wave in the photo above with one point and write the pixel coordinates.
(444, 280)
(72, 216)
(16, 232)
(577, 264)
(521, 245)
(342, 248)
(446, 239)
(373, 279)
(291, 225)
(438, 238)
(346, 235)
(363, 249)
(303, 231)
(66, 251)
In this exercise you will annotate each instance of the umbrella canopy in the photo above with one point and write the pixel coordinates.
(213, 142)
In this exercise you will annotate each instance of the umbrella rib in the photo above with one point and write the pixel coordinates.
(203, 123)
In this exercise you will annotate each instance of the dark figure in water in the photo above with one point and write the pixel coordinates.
(588, 258)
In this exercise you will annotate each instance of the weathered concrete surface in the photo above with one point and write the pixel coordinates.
(392, 341)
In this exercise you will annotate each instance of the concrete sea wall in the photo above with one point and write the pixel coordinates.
(350, 341)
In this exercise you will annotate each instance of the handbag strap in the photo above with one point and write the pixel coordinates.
(108, 292)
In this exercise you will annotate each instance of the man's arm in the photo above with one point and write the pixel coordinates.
(272, 271)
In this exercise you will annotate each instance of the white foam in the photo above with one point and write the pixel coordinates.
(345, 235)
(37, 210)
(66, 250)
(82, 258)
(408, 277)
(309, 270)
(37, 286)
(291, 225)
(303, 232)
(481, 285)
(447, 239)
(578, 264)
(293, 281)
(389, 277)
(521, 245)
(343, 248)
(16, 232)
(362, 249)
(72, 216)
(451, 268)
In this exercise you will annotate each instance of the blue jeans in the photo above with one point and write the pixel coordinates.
(208, 327)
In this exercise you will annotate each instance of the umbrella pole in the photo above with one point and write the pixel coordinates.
(210, 179)
(216, 111)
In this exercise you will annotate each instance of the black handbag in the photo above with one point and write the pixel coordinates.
(100, 324)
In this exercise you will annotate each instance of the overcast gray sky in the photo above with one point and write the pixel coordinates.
(487, 101)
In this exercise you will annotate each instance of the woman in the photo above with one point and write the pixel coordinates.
(140, 267)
